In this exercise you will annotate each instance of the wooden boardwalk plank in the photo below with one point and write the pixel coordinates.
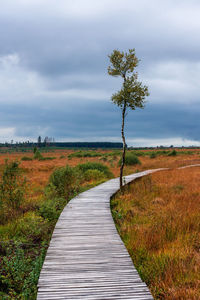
(86, 258)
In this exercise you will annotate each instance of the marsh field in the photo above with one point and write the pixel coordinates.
(158, 216)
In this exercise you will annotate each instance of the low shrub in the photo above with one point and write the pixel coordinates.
(113, 153)
(84, 154)
(104, 158)
(35, 149)
(138, 153)
(152, 155)
(12, 190)
(172, 153)
(95, 166)
(94, 175)
(130, 159)
(50, 209)
(19, 273)
(64, 181)
(47, 158)
(30, 227)
(26, 158)
(37, 154)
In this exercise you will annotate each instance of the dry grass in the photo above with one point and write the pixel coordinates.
(151, 214)
(158, 218)
(38, 172)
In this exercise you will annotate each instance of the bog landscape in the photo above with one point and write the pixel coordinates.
(99, 150)
(156, 216)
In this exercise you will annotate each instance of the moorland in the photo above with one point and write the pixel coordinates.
(157, 216)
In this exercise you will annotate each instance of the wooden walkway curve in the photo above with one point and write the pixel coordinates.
(86, 258)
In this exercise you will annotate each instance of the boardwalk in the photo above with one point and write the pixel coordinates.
(86, 258)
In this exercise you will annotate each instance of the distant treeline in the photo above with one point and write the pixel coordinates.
(77, 145)
(104, 145)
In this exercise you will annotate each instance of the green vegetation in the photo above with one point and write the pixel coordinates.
(65, 181)
(12, 191)
(85, 154)
(26, 229)
(26, 158)
(91, 153)
(95, 166)
(95, 174)
(19, 272)
(173, 153)
(47, 158)
(37, 154)
(153, 155)
(130, 159)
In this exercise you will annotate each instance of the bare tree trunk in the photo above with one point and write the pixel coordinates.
(124, 146)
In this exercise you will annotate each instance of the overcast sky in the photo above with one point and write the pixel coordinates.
(53, 70)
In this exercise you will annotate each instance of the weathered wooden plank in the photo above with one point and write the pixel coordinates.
(86, 258)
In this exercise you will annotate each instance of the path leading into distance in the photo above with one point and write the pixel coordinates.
(86, 258)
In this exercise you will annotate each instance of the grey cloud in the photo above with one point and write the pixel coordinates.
(102, 119)
(56, 44)
(65, 45)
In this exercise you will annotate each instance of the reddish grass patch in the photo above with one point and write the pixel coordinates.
(158, 218)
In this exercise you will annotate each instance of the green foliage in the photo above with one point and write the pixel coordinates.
(47, 158)
(162, 152)
(30, 284)
(13, 271)
(95, 166)
(19, 273)
(37, 154)
(64, 181)
(26, 158)
(94, 175)
(51, 208)
(130, 159)
(12, 189)
(173, 153)
(132, 93)
(35, 150)
(28, 228)
(153, 155)
(22, 257)
(122, 63)
(139, 153)
(104, 158)
(113, 153)
(84, 154)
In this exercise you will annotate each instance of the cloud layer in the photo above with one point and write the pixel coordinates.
(53, 69)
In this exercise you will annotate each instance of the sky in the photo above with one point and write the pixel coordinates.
(53, 70)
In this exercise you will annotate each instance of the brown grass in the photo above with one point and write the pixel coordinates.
(38, 172)
(158, 218)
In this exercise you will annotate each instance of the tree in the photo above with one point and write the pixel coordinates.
(132, 93)
(39, 141)
(46, 140)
